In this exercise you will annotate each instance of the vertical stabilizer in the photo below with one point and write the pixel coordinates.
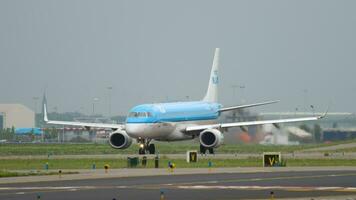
(212, 92)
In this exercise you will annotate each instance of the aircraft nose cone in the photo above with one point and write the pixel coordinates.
(135, 129)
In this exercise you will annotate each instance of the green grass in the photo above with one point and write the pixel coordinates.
(10, 174)
(4, 173)
(163, 148)
(56, 164)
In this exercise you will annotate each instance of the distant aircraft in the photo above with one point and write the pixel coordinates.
(178, 121)
(23, 131)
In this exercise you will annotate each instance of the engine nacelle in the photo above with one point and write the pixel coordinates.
(211, 138)
(120, 140)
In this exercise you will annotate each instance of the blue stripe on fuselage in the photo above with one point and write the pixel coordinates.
(176, 112)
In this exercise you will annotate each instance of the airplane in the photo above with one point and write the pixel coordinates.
(178, 121)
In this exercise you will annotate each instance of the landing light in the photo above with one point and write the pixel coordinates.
(141, 145)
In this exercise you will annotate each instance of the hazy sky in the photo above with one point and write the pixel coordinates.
(301, 52)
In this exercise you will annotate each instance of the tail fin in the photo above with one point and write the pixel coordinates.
(212, 92)
(45, 117)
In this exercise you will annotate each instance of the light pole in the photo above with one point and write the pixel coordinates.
(55, 108)
(234, 92)
(81, 110)
(109, 99)
(234, 87)
(305, 92)
(35, 99)
(94, 100)
(242, 87)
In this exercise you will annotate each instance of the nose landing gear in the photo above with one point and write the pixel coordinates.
(145, 146)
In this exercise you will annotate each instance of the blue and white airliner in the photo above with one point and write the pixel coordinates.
(178, 121)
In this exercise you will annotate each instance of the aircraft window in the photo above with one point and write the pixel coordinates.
(140, 114)
(133, 114)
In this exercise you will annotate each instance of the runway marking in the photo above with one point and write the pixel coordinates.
(48, 188)
(210, 184)
(19, 193)
(45, 189)
(267, 179)
(68, 188)
(288, 188)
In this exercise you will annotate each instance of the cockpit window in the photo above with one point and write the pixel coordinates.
(140, 114)
(132, 114)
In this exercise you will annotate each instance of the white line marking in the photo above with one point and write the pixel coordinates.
(48, 188)
(68, 188)
(349, 189)
(19, 193)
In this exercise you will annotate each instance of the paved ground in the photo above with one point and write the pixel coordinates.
(252, 184)
(332, 148)
(337, 155)
(120, 173)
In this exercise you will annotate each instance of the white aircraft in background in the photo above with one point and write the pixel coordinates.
(178, 121)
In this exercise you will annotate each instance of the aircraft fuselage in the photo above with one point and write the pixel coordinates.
(165, 121)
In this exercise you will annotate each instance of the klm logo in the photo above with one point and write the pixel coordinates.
(215, 78)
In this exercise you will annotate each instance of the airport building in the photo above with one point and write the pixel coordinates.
(16, 115)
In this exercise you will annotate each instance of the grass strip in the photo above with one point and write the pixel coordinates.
(163, 148)
(86, 163)
(4, 173)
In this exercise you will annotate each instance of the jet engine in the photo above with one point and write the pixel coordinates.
(119, 139)
(211, 138)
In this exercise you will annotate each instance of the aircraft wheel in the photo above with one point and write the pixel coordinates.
(141, 151)
(202, 149)
(211, 150)
(152, 149)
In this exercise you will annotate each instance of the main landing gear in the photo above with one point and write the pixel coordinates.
(145, 146)
(204, 149)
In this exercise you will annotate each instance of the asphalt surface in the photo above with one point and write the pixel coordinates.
(254, 185)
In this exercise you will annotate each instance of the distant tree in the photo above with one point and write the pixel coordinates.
(79, 139)
(31, 135)
(2, 133)
(335, 125)
(317, 132)
(51, 133)
(7, 134)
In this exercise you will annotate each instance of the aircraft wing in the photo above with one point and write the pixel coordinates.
(250, 123)
(84, 124)
(246, 106)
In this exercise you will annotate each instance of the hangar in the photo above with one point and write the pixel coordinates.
(16, 115)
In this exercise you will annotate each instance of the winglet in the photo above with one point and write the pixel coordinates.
(45, 118)
(324, 115)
